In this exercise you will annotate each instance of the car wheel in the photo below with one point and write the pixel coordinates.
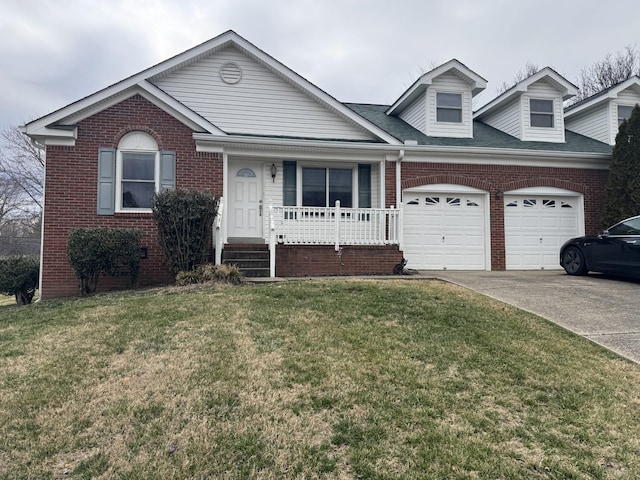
(573, 261)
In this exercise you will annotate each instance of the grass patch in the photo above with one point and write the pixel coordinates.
(311, 379)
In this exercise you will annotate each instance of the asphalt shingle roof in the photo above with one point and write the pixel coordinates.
(484, 136)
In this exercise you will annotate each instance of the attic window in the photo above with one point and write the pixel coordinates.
(541, 113)
(624, 112)
(449, 107)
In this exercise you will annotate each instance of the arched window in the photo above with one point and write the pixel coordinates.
(138, 177)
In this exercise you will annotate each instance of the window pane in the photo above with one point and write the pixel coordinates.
(541, 120)
(624, 112)
(449, 100)
(137, 194)
(364, 186)
(289, 192)
(541, 106)
(449, 115)
(138, 166)
(314, 187)
(340, 187)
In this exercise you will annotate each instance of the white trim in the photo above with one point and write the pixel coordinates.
(559, 83)
(597, 99)
(476, 82)
(444, 188)
(553, 191)
(136, 142)
(228, 38)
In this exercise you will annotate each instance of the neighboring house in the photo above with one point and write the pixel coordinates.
(425, 178)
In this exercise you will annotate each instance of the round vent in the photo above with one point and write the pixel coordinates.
(230, 73)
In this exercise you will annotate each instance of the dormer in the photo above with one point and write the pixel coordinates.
(600, 115)
(532, 109)
(439, 102)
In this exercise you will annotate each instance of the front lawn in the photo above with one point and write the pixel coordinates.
(386, 379)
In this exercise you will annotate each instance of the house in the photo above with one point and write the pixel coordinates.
(317, 186)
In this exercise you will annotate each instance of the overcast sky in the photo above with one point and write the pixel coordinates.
(53, 52)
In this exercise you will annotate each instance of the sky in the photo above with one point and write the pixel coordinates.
(54, 52)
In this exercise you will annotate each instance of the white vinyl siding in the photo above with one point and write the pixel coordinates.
(594, 124)
(507, 119)
(261, 103)
(449, 83)
(542, 91)
(416, 114)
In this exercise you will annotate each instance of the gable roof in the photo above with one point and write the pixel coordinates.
(50, 125)
(548, 74)
(421, 84)
(603, 96)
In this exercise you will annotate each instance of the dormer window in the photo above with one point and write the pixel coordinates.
(624, 112)
(449, 107)
(541, 113)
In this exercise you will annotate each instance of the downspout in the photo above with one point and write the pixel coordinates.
(398, 176)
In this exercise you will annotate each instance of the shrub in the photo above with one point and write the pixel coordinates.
(185, 220)
(211, 273)
(19, 276)
(108, 251)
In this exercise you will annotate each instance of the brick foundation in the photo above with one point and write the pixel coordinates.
(318, 260)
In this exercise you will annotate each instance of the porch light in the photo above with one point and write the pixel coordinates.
(274, 170)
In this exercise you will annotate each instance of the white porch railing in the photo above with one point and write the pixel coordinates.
(218, 233)
(335, 226)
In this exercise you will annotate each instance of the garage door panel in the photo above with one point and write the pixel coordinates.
(536, 227)
(445, 231)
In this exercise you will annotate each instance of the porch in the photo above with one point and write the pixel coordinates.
(311, 241)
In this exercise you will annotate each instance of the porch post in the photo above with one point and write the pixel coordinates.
(337, 223)
(272, 242)
(218, 233)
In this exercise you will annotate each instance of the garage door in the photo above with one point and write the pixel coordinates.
(536, 226)
(444, 231)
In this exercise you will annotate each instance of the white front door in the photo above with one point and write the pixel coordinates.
(444, 230)
(245, 206)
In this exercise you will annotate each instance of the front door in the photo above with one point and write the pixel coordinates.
(245, 206)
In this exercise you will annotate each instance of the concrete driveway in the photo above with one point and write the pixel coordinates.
(603, 309)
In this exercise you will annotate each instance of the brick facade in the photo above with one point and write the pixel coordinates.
(497, 179)
(319, 260)
(71, 189)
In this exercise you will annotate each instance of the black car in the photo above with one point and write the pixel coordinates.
(615, 251)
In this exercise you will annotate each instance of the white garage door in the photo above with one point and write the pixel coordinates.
(444, 231)
(536, 226)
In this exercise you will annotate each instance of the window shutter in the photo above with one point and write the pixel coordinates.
(106, 181)
(289, 192)
(167, 170)
(364, 186)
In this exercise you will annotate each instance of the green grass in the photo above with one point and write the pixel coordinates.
(311, 379)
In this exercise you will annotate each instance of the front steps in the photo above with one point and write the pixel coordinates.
(251, 259)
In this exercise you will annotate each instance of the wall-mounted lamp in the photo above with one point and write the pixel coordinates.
(274, 171)
(499, 194)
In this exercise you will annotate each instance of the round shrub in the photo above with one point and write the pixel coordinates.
(19, 276)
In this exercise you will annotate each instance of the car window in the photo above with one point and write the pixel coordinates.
(628, 227)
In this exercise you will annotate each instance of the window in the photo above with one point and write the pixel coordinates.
(137, 171)
(541, 113)
(449, 107)
(322, 187)
(624, 112)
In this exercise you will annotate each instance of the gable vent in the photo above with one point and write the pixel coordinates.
(230, 73)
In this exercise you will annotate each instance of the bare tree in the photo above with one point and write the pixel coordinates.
(608, 72)
(524, 73)
(21, 181)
